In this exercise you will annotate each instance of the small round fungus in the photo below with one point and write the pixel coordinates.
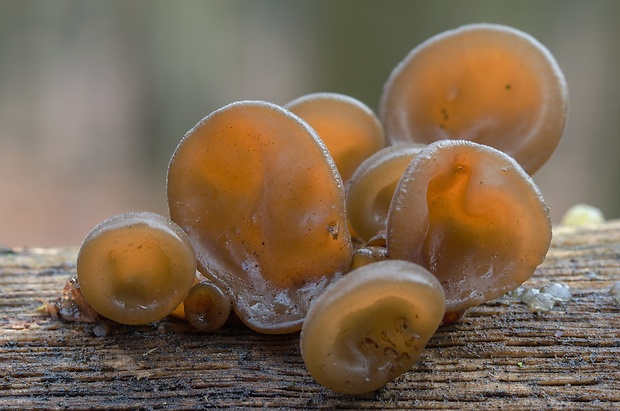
(487, 83)
(206, 307)
(350, 130)
(371, 326)
(179, 311)
(372, 186)
(135, 268)
(261, 200)
(583, 214)
(471, 216)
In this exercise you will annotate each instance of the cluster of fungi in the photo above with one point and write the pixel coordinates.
(365, 232)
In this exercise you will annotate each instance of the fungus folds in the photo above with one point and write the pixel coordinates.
(371, 326)
(471, 216)
(301, 219)
(372, 187)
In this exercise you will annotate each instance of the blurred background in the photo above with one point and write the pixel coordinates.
(95, 95)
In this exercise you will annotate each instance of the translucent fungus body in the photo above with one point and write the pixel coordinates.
(371, 326)
(263, 205)
(350, 130)
(472, 217)
(487, 83)
(206, 307)
(372, 186)
(135, 268)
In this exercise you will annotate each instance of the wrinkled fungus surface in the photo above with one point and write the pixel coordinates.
(487, 83)
(262, 202)
(135, 268)
(371, 326)
(472, 217)
(350, 130)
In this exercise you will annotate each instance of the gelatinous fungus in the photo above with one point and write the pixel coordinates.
(371, 326)
(472, 217)
(487, 83)
(135, 268)
(350, 130)
(372, 186)
(206, 307)
(262, 202)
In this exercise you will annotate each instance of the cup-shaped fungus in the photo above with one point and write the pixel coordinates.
(206, 307)
(491, 84)
(135, 268)
(372, 186)
(350, 130)
(371, 326)
(262, 202)
(471, 216)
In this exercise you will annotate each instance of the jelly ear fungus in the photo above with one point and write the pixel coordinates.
(471, 216)
(135, 268)
(262, 203)
(350, 130)
(486, 83)
(371, 326)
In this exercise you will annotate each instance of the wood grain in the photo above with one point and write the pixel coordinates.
(500, 356)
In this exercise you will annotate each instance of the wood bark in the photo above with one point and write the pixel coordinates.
(500, 355)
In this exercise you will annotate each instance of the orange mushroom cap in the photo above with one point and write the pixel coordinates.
(371, 326)
(135, 268)
(206, 307)
(471, 216)
(372, 186)
(350, 130)
(487, 83)
(261, 200)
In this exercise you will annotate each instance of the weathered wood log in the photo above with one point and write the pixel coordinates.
(500, 355)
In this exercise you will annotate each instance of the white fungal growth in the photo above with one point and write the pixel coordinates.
(543, 299)
(537, 301)
(559, 291)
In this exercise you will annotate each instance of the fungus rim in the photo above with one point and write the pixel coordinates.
(554, 82)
